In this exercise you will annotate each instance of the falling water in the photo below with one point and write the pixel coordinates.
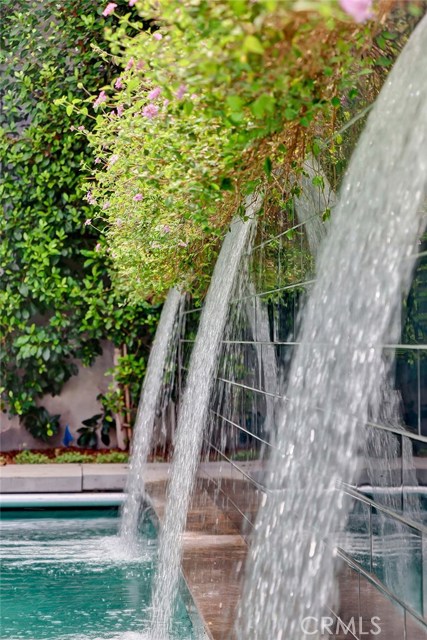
(257, 313)
(335, 377)
(144, 424)
(193, 416)
(313, 201)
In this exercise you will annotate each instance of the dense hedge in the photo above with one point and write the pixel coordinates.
(56, 299)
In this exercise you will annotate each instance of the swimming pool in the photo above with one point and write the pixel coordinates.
(65, 576)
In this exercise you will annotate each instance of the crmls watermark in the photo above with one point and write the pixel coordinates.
(327, 626)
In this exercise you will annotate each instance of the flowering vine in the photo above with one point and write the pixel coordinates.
(214, 100)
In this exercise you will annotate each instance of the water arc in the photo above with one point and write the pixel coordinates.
(337, 372)
(193, 414)
(164, 340)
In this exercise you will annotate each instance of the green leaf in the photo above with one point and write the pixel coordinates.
(290, 114)
(105, 438)
(262, 105)
(226, 184)
(318, 181)
(91, 422)
(251, 44)
(238, 6)
(382, 61)
(316, 148)
(268, 166)
(235, 102)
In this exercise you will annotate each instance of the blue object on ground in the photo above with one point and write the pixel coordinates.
(68, 438)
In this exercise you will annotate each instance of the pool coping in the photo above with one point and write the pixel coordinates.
(63, 478)
(60, 500)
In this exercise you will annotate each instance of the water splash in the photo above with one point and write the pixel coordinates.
(166, 337)
(335, 377)
(193, 415)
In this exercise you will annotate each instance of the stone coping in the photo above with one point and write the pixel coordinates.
(73, 478)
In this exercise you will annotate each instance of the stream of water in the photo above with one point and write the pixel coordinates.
(338, 372)
(193, 415)
(166, 336)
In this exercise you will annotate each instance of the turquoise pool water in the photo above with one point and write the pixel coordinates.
(65, 576)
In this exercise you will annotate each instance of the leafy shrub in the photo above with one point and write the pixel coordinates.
(100, 422)
(56, 300)
(112, 456)
(73, 457)
(40, 423)
(28, 457)
(213, 101)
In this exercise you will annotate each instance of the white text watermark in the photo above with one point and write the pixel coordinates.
(328, 626)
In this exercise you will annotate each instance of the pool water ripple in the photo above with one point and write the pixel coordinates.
(71, 579)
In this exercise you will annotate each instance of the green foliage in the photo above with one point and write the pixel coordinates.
(73, 457)
(99, 425)
(70, 457)
(40, 423)
(56, 299)
(213, 100)
(28, 457)
(112, 457)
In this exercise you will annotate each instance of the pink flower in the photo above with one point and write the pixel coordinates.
(97, 160)
(118, 83)
(109, 9)
(140, 65)
(113, 159)
(119, 222)
(91, 200)
(166, 228)
(157, 36)
(193, 96)
(81, 128)
(154, 94)
(132, 3)
(181, 243)
(137, 198)
(130, 64)
(120, 110)
(166, 102)
(181, 92)
(100, 99)
(359, 10)
(106, 205)
(88, 222)
(98, 247)
(150, 111)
